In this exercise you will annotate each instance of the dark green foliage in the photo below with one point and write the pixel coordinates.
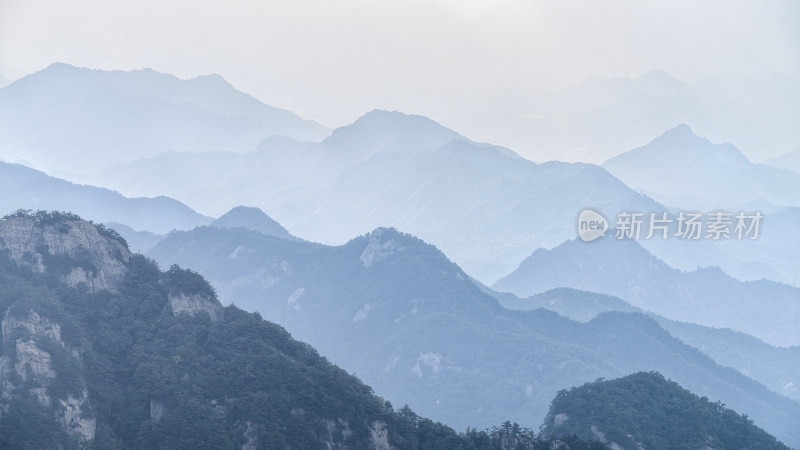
(161, 382)
(414, 302)
(43, 217)
(27, 426)
(647, 409)
(110, 233)
(188, 282)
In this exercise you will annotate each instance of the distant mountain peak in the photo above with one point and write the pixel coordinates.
(253, 219)
(677, 144)
(380, 130)
(683, 129)
(384, 120)
(381, 244)
(658, 75)
(140, 113)
(60, 66)
(386, 234)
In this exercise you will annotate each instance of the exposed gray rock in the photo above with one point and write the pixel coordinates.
(377, 249)
(34, 366)
(157, 411)
(78, 239)
(34, 361)
(72, 417)
(6, 387)
(251, 441)
(32, 324)
(379, 436)
(192, 304)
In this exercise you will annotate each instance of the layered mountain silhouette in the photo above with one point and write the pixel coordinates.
(778, 368)
(622, 268)
(771, 256)
(681, 167)
(790, 161)
(397, 313)
(25, 188)
(251, 219)
(484, 205)
(101, 349)
(71, 120)
(602, 116)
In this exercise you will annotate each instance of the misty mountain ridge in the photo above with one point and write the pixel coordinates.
(600, 116)
(680, 163)
(790, 161)
(776, 367)
(624, 269)
(26, 188)
(393, 169)
(252, 219)
(63, 119)
(434, 339)
(145, 358)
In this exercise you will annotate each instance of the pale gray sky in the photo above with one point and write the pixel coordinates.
(334, 60)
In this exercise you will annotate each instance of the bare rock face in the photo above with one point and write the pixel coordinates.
(27, 329)
(71, 416)
(193, 304)
(379, 248)
(31, 323)
(157, 411)
(379, 436)
(97, 260)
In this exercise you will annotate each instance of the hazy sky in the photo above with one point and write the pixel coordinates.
(334, 60)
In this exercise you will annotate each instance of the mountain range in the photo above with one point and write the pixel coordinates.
(433, 339)
(771, 256)
(622, 268)
(790, 161)
(680, 168)
(71, 120)
(486, 207)
(26, 188)
(778, 368)
(389, 168)
(101, 349)
(601, 117)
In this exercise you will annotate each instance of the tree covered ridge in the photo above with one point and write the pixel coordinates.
(645, 409)
(153, 380)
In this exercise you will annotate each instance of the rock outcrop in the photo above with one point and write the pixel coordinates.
(95, 259)
(380, 247)
(29, 331)
(192, 304)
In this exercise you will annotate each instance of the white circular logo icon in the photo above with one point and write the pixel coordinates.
(591, 225)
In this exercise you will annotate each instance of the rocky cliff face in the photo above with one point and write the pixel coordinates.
(192, 304)
(26, 365)
(97, 260)
(34, 356)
